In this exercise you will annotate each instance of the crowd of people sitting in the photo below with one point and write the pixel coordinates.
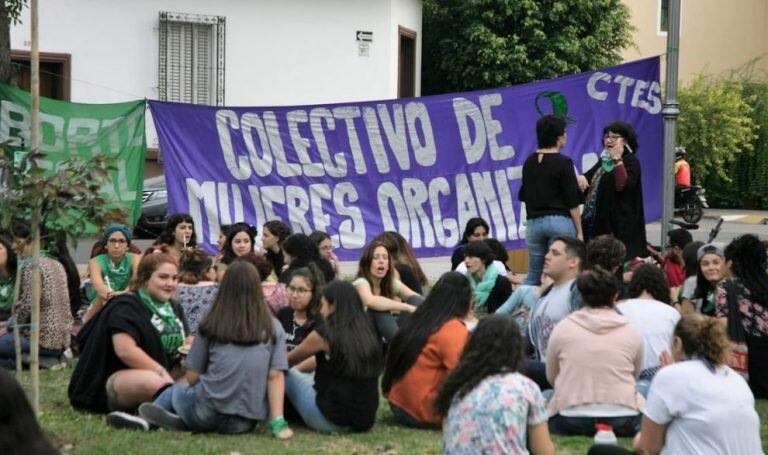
(596, 333)
(182, 340)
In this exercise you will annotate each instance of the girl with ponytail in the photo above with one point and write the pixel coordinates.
(699, 404)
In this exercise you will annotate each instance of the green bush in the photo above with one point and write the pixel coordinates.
(723, 125)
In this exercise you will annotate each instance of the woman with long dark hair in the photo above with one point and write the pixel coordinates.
(273, 234)
(742, 302)
(475, 229)
(614, 197)
(179, 234)
(489, 406)
(650, 311)
(381, 292)
(235, 367)
(344, 394)
(425, 350)
(409, 269)
(490, 288)
(299, 251)
(325, 248)
(299, 318)
(20, 433)
(712, 270)
(239, 241)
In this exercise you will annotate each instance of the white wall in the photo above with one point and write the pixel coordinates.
(278, 52)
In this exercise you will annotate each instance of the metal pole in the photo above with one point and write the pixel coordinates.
(670, 111)
(34, 147)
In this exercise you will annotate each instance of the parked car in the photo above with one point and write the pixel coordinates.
(154, 208)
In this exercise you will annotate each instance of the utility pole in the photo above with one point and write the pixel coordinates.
(670, 111)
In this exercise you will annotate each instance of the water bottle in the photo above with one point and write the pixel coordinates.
(605, 435)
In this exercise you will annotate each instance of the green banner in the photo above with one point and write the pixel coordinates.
(83, 130)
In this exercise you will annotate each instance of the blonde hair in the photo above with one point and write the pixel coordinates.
(704, 337)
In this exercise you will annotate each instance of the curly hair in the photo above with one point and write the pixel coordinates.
(605, 251)
(650, 278)
(494, 347)
(704, 337)
(193, 264)
(278, 229)
(749, 256)
(626, 131)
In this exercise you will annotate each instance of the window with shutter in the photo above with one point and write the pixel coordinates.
(191, 66)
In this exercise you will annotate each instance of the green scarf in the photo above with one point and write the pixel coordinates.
(607, 161)
(483, 289)
(164, 320)
(6, 293)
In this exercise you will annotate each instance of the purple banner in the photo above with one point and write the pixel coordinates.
(419, 166)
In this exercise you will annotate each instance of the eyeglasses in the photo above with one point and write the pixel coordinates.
(117, 241)
(612, 137)
(297, 291)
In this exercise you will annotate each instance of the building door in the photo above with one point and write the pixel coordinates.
(406, 80)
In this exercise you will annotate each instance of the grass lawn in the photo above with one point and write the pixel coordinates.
(80, 433)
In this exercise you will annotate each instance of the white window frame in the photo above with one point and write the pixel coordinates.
(218, 24)
(659, 31)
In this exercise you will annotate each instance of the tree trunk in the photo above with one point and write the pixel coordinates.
(34, 146)
(7, 70)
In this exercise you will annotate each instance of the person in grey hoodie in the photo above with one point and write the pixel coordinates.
(593, 360)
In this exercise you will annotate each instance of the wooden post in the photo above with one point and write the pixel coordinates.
(34, 136)
(16, 334)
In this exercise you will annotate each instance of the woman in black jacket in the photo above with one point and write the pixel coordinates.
(614, 198)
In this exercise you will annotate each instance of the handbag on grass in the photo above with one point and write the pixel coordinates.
(739, 359)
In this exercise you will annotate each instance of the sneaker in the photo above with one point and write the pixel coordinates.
(123, 420)
(158, 415)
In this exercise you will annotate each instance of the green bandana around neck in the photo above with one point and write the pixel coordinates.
(164, 320)
(483, 289)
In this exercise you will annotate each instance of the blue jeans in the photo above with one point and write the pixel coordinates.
(8, 350)
(300, 390)
(198, 413)
(403, 418)
(539, 233)
(622, 426)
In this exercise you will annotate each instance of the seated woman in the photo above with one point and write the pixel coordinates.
(8, 266)
(239, 241)
(379, 288)
(55, 313)
(179, 234)
(401, 255)
(742, 305)
(425, 350)
(197, 286)
(490, 288)
(112, 270)
(129, 347)
(593, 358)
(273, 234)
(715, 413)
(299, 251)
(475, 229)
(489, 406)
(20, 432)
(275, 294)
(649, 310)
(344, 394)
(325, 248)
(235, 367)
(299, 319)
(712, 270)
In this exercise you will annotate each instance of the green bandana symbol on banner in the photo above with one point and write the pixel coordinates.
(557, 101)
(83, 130)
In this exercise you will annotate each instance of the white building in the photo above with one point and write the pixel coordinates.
(225, 52)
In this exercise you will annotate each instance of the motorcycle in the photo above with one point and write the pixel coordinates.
(690, 203)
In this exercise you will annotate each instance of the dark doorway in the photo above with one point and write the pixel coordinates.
(406, 81)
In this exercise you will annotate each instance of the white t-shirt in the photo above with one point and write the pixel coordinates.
(656, 322)
(498, 265)
(550, 309)
(706, 412)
